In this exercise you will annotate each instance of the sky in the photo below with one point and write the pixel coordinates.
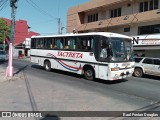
(41, 15)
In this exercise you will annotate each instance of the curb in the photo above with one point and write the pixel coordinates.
(3, 77)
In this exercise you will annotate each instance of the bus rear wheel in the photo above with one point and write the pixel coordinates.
(47, 65)
(89, 73)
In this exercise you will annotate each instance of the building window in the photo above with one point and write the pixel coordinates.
(93, 17)
(115, 13)
(148, 5)
(150, 29)
(127, 29)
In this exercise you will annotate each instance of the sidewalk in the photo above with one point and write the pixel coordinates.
(3, 77)
(13, 92)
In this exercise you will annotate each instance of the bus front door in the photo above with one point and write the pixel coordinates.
(103, 71)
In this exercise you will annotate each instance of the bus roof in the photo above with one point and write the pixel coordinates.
(107, 34)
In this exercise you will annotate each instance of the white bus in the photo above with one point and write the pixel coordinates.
(103, 55)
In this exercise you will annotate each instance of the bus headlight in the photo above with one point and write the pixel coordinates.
(114, 69)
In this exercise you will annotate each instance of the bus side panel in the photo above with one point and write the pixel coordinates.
(70, 66)
(34, 59)
(103, 72)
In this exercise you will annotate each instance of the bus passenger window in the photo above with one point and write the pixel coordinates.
(59, 43)
(84, 45)
(51, 46)
(66, 44)
(70, 43)
(55, 46)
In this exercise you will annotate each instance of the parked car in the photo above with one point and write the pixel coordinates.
(3, 56)
(146, 65)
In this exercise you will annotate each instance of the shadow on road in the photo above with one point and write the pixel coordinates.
(110, 82)
(50, 117)
(37, 67)
(152, 77)
(80, 76)
(21, 69)
(59, 71)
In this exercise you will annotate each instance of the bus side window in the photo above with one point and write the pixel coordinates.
(33, 43)
(53, 43)
(85, 43)
(40, 43)
(70, 43)
(66, 43)
(47, 43)
(90, 43)
(59, 43)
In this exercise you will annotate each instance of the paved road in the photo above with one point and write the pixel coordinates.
(61, 91)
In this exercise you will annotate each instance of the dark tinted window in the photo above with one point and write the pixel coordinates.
(148, 5)
(93, 17)
(85, 43)
(141, 7)
(145, 6)
(33, 43)
(149, 29)
(137, 60)
(127, 29)
(2, 52)
(155, 4)
(156, 61)
(115, 13)
(147, 61)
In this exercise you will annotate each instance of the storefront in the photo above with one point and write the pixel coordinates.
(147, 45)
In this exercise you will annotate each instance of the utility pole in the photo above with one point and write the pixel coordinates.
(13, 14)
(59, 25)
(10, 69)
(61, 28)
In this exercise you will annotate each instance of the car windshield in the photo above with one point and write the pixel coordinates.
(2, 53)
(121, 49)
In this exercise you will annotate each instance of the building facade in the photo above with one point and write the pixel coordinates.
(137, 18)
(21, 33)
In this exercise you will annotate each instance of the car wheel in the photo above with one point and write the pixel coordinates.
(138, 72)
(89, 73)
(47, 66)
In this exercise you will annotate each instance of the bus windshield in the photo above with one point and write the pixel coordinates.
(121, 49)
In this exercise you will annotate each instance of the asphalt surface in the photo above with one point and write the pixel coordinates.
(63, 91)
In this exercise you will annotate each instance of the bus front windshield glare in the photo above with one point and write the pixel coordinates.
(121, 49)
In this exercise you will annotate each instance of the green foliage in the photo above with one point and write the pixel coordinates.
(5, 30)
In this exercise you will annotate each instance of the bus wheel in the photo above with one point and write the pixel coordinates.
(138, 72)
(89, 73)
(47, 66)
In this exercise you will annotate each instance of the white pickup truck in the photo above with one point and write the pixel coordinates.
(146, 65)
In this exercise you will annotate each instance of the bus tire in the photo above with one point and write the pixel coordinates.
(47, 65)
(89, 73)
(138, 72)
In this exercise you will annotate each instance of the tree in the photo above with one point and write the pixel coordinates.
(5, 30)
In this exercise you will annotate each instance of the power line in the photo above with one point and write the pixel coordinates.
(3, 4)
(35, 6)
